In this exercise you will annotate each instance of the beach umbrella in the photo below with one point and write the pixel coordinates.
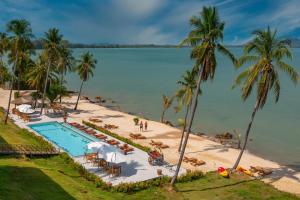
(95, 146)
(115, 157)
(22, 100)
(25, 108)
(111, 154)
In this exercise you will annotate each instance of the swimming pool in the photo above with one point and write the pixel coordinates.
(64, 136)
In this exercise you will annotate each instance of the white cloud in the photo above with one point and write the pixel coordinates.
(138, 8)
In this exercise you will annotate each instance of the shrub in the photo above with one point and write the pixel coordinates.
(136, 120)
(16, 95)
(123, 139)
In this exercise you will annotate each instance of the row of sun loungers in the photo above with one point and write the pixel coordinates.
(193, 161)
(125, 148)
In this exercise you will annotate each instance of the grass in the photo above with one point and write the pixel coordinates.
(54, 178)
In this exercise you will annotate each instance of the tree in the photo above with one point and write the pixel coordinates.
(65, 63)
(55, 91)
(52, 44)
(265, 54)
(85, 70)
(207, 31)
(37, 75)
(167, 102)
(184, 96)
(22, 33)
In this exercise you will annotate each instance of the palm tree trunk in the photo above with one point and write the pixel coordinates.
(194, 107)
(78, 96)
(184, 126)
(61, 84)
(11, 87)
(162, 116)
(45, 87)
(19, 83)
(247, 135)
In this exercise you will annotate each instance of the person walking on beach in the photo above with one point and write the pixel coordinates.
(141, 126)
(146, 125)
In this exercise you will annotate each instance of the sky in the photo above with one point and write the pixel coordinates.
(149, 21)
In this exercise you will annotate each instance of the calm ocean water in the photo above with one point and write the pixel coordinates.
(137, 78)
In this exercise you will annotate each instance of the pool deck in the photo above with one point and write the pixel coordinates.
(135, 168)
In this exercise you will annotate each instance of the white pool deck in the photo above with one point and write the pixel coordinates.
(135, 168)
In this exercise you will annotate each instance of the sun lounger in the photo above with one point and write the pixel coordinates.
(194, 161)
(113, 142)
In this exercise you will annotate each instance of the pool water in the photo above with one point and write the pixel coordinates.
(64, 136)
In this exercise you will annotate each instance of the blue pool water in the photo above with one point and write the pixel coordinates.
(64, 136)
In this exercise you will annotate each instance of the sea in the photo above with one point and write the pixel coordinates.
(136, 78)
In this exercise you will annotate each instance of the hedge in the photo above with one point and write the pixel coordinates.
(129, 187)
(123, 139)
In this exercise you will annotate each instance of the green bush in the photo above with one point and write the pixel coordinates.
(136, 120)
(123, 139)
(16, 95)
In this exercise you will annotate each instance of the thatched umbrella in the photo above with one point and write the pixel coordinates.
(22, 100)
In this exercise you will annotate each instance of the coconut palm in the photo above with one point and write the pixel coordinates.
(205, 36)
(52, 44)
(266, 56)
(184, 96)
(65, 64)
(21, 34)
(85, 70)
(167, 102)
(37, 75)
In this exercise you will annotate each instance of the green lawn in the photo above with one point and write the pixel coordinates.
(53, 178)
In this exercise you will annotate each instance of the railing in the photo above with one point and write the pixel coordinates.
(9, 149)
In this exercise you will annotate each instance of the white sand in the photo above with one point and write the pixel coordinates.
(214, 154)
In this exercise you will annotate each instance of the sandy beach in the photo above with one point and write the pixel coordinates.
(214, 154)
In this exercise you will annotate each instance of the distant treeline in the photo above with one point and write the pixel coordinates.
(38, 45)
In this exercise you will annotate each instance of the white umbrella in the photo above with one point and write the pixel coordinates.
(95, 146)
(25, 108)
(111, 154)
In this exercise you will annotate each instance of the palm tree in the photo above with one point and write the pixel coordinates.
(184, 96)
(207, 31)
(22, 33)
(167, 102)
(37, 75)
(265, 54)
(52, 45)
(65, 63)
(85, 70)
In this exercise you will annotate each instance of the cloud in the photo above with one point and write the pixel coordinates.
(148, 21)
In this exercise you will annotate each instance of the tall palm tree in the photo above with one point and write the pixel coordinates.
(37, 75)
(167, 102)
(266, 55)
(52, 44)
(65, 64)
(22, 33)
(207, 32)
(184, 96)
(85, 70)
